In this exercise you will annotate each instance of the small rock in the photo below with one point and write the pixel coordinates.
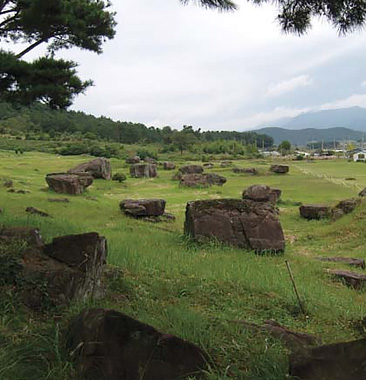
(252, 171)
(208, 165)
(59, 200)
(30, 235)
(133, 160)
(280, 169)
(143, 207)
(314, 211)
(352, 279)
(169, 165)
(362, 193)
(345, 207)
(34, 211)
(346, 260)
(226, 164)
(8, 183)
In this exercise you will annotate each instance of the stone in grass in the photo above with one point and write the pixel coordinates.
(360, 263)
(59, 200)
(143, 207)
(315, 211)
(294, 341)
(143, 171)
(69, 183)
(362, 193)
(169, 165)
(252, 171)
(8, 183)
(340, 361)
(202, 180)
(109, 345)
(34, 211)
(280, 169)
(352, 279)
(133, 160)
(345, 207)
(31, 236)
(242, 223)
(262, 193)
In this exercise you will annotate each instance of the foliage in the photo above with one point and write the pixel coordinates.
(120, 177)
(145, 153)
(284, 147)
(295, 16)
(85, 24)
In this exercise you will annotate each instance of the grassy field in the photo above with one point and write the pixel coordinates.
(193, 291)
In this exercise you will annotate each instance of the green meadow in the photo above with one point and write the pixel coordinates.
(196, 291)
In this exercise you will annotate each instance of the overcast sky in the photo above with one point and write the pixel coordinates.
(173, 65)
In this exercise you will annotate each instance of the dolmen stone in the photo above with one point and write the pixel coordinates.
(243, 223)
(143, 207)
(109, 345)
(345, 207)
(280, 169)
(352, 279)
(340, 361)
(97, 168)
(187, 169)
(133, 160)
(252, 171)
(169, 165)
(360, 263)
(262, 193)
(69, 183)
(143, 171)
(315, 211)
(70, 268)
(202, 180)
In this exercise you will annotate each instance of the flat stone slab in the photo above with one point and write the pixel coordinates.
(352, 279)
(97, 168)
(280, 169)
(345, 260)
(69, 183)
(143, 207)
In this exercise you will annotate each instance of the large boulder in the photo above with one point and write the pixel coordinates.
(280, 169)
(251, 171)
(143, 171)
(340, 361)
(69, 268)
(143, 207)
(109, 345)
(69, 183)
(314, 211)
(191, 169)
(202, 180)
(243, 223)
(97, 168)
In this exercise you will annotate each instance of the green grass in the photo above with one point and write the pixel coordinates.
(180, 287)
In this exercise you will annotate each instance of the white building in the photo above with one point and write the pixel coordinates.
(359, 156)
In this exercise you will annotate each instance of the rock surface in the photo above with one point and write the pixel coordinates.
(191, 169)
(315, 211)
(352, 279)
(262, 193)
(202, 180)
(30, 235)
(109, 345)
(280, 169)
(360, 263)
(70, 268)
(34, 211)
(345, 207)
(69, 183)
(143, 171)
(340, 361)
(97, 168)
(143, 207)
(362, 193)
(243, 223)
(133, 160)
(252, 171)
(169, 165)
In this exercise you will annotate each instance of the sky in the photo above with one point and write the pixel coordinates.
(178, 65)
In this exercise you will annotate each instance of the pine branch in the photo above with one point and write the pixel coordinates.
(31, 47)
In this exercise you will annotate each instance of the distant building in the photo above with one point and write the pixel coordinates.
(359, 156)
(271, 154)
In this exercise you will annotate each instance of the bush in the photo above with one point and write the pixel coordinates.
(144, 153)
(74, 149)
(120, 177)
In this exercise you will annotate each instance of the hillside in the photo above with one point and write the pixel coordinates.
(303, 136)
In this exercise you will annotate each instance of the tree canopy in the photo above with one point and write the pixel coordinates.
(85, 24)
(295, 16)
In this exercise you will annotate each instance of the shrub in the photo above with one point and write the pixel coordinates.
(144, 153)
(74, 149)
(120, 177)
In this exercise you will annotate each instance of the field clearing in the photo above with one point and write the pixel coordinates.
(193, 290)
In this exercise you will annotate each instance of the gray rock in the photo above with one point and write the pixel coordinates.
(143, 207)
(315, 211)
(69, 183)
(143, 171)
(169, 165)
(352, 279)
(97, 168)
(133, 160)
(345, 260)
(280, 169)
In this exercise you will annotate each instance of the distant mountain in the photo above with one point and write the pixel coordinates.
(352, 118)
(303, 136)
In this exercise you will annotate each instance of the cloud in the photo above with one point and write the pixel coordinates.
(363, 84)
(288, 85)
